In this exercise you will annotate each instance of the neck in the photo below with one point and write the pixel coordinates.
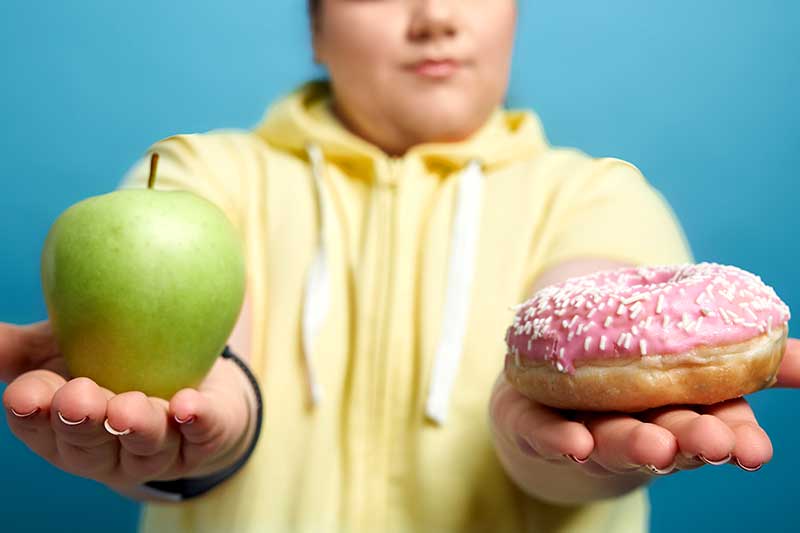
(391, 143)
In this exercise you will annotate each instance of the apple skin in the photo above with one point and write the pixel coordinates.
(143, 288)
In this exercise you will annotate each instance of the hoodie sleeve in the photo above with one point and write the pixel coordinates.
(208, 164)
(610, 211)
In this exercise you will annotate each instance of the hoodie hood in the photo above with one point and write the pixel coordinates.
(305, 117)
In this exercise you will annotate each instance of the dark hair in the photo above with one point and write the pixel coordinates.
(313, 8)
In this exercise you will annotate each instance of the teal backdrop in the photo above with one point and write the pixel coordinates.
(702, 96)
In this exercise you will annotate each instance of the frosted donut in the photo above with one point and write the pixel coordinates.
(632, 339)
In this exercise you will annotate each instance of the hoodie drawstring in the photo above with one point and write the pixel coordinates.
(463, 247)
(316, 300)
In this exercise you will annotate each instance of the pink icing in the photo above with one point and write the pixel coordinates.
(643, 311)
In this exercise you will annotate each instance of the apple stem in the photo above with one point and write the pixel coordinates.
(153, 166)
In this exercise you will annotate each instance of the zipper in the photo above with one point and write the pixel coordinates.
(381, 417)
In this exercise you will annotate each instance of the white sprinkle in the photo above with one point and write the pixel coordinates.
(699, 297)
(725, 316)
(637, 310)
(665, 322)
(621, 339)
(561, 353)
(591, 313)
(706, 311)
(621, 309)
(769, 324)
(728, 295)
(559, 366)
(603, 343)
(565, 323)
(587, 343)
(635, 330)
(607, 323)
(643, 346)
(636, 297)
(648, 322)
(601, 306)
(698, 324)
(580, 329)
(572, 322)
(628, 341)
(660, 304)
(571, 335)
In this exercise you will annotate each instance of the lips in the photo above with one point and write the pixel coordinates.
(436, 68)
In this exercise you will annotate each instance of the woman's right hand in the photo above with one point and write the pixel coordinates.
(121, 440)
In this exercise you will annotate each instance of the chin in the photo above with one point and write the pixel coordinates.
(438, 124)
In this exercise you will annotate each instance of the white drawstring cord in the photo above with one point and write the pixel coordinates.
(316, 300)
(463, 248)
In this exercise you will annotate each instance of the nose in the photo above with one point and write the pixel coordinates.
(433, 19)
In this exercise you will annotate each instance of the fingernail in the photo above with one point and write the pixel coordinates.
(71, 422)
(747, 468)
(114, 431)
(575, 459)
(660, 471)
(24, 415)
(188, 420)
(726, 460)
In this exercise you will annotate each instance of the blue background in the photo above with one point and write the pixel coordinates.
(702, 96)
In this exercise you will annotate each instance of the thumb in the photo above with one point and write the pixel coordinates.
(24, 348)
(789, 371)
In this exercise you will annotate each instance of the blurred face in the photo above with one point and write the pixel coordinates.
(406, 72)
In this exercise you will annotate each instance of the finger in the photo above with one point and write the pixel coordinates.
(11, 351)
(200, 420)
(752, 447)
(148, 445)
(141, 423)
(548, 432)
(699, 435)
(27, 402)
(624, 444)
(77, 413)
(22, 346)
(789, 371)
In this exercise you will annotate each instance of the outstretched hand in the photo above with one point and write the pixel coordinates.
(121, 440)
(654, 442)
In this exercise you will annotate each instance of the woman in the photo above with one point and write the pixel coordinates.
(391, 217)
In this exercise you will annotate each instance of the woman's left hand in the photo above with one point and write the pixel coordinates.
(659, 441)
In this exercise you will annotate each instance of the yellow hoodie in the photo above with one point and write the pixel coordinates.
(381, 292)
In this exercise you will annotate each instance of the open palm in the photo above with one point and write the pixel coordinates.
(121, 440)
(658, 441)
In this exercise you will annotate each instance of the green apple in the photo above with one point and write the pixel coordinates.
(143, 287)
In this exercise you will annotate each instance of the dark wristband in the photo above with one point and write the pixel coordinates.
(186, 488)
